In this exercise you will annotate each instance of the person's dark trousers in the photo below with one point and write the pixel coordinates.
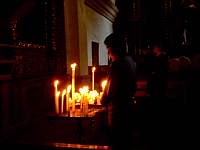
(121, 139)
(121, 133)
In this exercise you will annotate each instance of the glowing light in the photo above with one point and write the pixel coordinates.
(62, 100)
(73, 66)
(57, 102)
(56, 95)
(93, 70)
(103, 84)
(68, 98)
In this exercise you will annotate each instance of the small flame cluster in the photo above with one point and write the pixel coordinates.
(64, 101)
(67, 99)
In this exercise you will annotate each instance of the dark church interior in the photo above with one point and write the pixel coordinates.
(33, 54)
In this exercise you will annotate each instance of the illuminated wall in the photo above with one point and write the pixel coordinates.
(84, 23)
(98, 27)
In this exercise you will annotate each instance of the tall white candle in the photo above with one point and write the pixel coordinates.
(73, 66)
(85, 100)
(57, 102)
(62, 100)
(55, 95)
(67, 98)
(93, 70)
(81, 100)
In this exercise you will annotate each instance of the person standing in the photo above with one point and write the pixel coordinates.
(158, 81)
(119, 92)
(159, 74)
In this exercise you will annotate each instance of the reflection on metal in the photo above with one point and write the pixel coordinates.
(79, 146)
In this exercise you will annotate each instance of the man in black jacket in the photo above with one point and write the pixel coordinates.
(119, 92)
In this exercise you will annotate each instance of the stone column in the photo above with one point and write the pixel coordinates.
(82, 17)
(71, 34)
(76, 35)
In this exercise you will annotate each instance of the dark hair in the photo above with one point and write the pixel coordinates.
(117, 43)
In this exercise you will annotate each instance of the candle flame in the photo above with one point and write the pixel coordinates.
(94, 93)
(69, 88)
(84, 90)
(73, 66)
(103, 84)
(57, 94)
(56, 83)
(93, 69)
(64, 92)
(77, 97)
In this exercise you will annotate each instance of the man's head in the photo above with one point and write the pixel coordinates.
(116, 45)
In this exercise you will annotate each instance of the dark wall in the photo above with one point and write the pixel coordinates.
(32, 55)
(159, 21)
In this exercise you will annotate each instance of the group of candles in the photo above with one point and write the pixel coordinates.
(66, 99)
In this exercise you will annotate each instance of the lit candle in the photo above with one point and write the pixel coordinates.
(81, 100)
(73, 66)
(56, 86)
(93, 70)
(67, 98)
(62, 100)
(84, 100)
(57, 102)
(55, 94)
(92, 96)
(103, 84)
